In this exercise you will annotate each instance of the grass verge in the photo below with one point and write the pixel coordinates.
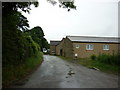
(11, 74)
(112, 69)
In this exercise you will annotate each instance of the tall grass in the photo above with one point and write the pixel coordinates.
(13, 73)
(106, 62)
(93, 57)
(109, 59)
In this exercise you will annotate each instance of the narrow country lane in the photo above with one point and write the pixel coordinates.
(57, 73)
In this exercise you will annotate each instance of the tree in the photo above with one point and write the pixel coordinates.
(12, 17)
(37, 35)
(69, 4)
(14, 24)
(13, 40)
(46, 44)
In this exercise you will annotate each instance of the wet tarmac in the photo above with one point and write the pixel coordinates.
(57, 73)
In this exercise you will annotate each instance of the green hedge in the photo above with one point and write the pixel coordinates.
(12, 73)
(107, 58)
(16, 50)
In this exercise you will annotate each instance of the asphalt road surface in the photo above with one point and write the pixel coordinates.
(57, 73)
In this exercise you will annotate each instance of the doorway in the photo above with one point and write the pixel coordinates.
(61, 52)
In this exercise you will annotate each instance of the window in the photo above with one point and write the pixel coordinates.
(89, 47)
(105, 47)
(77, 46)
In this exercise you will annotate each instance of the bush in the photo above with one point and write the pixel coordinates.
(109, 59)
(12, 73)
(18, 47)
(115, 59)
(93, 57)
(31, 47)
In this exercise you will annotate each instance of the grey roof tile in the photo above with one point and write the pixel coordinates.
(54, 42)
(93, 39)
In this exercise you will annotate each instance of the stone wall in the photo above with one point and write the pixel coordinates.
(97, 49)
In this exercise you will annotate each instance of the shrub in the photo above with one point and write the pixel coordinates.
(115, 59)
(93, 57)
(109, 59)
(31, 46)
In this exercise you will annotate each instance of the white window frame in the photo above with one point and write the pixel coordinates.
(106, 47)
(89, 47)
(77, 46)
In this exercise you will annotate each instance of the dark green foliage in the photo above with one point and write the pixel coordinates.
(31, 46)
(13, 73)
(93, 57)
(109, 59)
(46, 44)
(14, 6)
(12, 19)
(37, 35)
(10, 46)
(15, 45)
(69, 4)
(104, 58)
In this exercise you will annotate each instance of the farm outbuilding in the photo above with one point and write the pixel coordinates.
(85, 46)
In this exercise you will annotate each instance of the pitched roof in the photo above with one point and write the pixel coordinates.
(52, 42)
(93, 39)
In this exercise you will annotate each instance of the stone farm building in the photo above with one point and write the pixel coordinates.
(53, 45)
(85, 46)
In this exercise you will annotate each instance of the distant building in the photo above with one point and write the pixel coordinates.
(85, 46)
(53, 45)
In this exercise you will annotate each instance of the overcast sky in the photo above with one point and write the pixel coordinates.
(92, 18)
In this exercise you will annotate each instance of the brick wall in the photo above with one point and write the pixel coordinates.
(52, 49)
(68, 47)
(97, 49)
(60, 48)
(65, 48)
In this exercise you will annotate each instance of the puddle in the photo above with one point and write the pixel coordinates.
(67, 65)
(71, 73)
